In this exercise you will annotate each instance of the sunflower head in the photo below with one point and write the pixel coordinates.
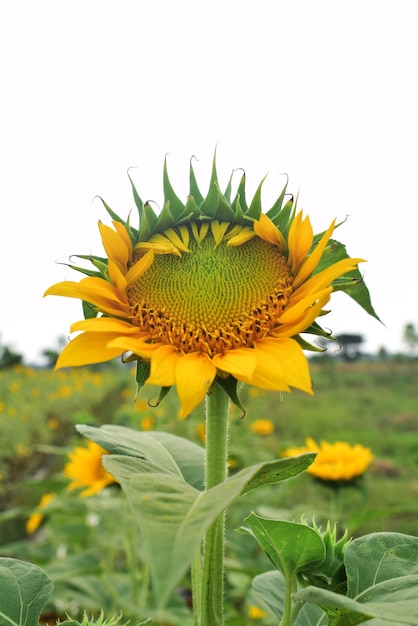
(336, 464)
(85, 469)
(210, 289)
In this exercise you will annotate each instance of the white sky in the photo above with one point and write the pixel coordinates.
(322, 90)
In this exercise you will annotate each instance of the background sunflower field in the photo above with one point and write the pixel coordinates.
(90, 547)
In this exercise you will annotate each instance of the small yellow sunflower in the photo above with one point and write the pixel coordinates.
(255, 613)
(36, 518)
(262, 427)
(86, 470)
(210, 289)
(337, 462)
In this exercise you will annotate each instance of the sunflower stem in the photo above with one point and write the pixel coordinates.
(217, 420)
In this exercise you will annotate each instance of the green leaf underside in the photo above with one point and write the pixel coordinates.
(169, 453)
(173, 516)
(24, 592)
(162, 475)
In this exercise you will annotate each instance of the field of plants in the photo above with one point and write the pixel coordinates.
(90, 546)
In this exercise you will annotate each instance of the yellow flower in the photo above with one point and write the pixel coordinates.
(335, 462)
(147, 423)
(85, 469)
(255, 613)
(35, 520)
(262, 427)
(210, 289)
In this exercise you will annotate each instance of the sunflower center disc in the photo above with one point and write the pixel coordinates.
(214, 298)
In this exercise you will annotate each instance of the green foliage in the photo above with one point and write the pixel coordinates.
(90, 547)
(381, 571)
(159, 479)
(25, 589)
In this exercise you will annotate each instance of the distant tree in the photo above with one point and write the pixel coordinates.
(9, 358)
(410, 337)
(382, 353)
(350, 346)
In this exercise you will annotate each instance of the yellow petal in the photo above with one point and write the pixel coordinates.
(171, 234)
(218, 230)
(117, 277)
(195, 373)
(245, 234)
(162, 246)
(239, 362)
(281, 363)
(97, 291)
(268, 231)
(106, 324)
(199, 234)
(137, 345)
(140, 267)
(88, 348)
(114, 246)
(123, 234)
(163, 365)
(300, 242)
(325, 277)
(313, 259)
(297, 319)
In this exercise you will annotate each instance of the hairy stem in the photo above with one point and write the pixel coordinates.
(217, 420)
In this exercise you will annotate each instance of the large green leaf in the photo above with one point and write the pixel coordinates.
(168, 452)
(291, 547)
(382, 574)
(173, 516)
(25, 589)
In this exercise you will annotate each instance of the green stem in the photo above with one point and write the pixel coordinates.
(287, 609)
(197, 586)
(217, 420)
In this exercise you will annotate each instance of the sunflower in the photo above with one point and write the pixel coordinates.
(85, 469)
(337, 462)
(213, 289)
(36, 518)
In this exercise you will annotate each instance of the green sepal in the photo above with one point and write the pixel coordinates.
(351, 283)
(83, 270)
(274, 211)
(227, 192)
(240, 197)
(176, 205)
(209, 204)
(194, 189)
(305, 345)
(254, 209)
(229, 385)
(138, 202)
(240, 217)
(223, 212)
(112, 214)
(191, 207)
(316, 329)
(165, 218)
(142, 374)
(163, 392)
(149, 221)
(89, 311)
